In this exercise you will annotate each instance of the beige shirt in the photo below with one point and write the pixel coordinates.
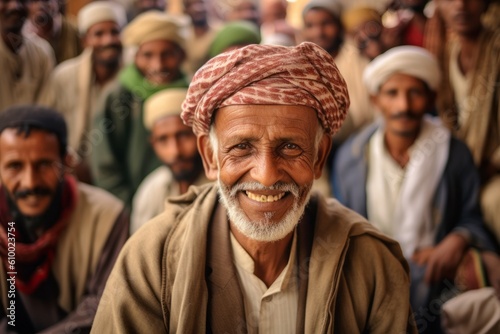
(459, 83)
(25, 74)
(270, 310)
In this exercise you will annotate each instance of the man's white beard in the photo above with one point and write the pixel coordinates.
(264, 230)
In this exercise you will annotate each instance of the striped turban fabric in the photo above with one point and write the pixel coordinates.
(303, 75)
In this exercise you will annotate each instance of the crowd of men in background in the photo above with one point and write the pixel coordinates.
(420, 145)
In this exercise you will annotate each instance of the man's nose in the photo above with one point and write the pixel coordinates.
(267, 169)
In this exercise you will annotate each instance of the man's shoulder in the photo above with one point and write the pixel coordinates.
(353, 148)
(98, 200)
(157, 179)
(39, 46)
(195, 206)
(69, 67)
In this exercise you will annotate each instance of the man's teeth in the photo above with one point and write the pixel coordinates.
(264, 198)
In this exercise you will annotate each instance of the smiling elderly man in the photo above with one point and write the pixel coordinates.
(257, 252)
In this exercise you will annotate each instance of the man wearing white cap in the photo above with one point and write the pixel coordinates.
(413, 180)
(84, 79)
(123, 157)
(175, 145)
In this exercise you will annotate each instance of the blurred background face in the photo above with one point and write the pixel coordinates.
(243, 11)
(403, 100)
(104, 39)
(367, 37)
(159, 61)
(30, 169)
(462, 16)
(146, 5)
(42, 12)
(13, 13)
(175, 144)
(322, 28)
(197, 10)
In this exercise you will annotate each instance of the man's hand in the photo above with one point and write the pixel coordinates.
(442, 260)
(492, 264)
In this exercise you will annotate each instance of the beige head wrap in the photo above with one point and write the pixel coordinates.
(151, 26)
(410, 60)
(304, 75)
(354, 17)
(167, 102)
(100, 11)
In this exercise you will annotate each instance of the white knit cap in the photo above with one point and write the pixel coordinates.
(410, 60)
(334, 7)
(100, 11)
(167, 102)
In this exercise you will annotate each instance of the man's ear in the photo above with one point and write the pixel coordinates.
(208, 157)
(324, 147)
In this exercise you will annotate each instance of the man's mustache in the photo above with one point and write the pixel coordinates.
(37, 191)
(405, 114)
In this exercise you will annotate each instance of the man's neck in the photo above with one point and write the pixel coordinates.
(270, 258)
(398, 146)
(105, 72)
(469, 50)
(199, 31)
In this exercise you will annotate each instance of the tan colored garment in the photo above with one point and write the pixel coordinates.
(25, 74)
(197, 50)
(480, 112)
(475, 311)
(67, 44)
(351, 65)
(77, 96)
(480, 118)
(175, 274)
(149, 199)
(80, 245)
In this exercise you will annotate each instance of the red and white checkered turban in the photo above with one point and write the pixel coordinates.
(303, 75)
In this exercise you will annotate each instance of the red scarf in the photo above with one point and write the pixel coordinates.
(43, 248)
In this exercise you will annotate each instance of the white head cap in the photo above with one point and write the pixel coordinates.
(100, 11)
(410, 60)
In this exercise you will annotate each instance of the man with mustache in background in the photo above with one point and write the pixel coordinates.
(122, 156)
(258, 251)
(175, 145)
(58, 238)
(85, 78)
(26, 61)
(413, 180)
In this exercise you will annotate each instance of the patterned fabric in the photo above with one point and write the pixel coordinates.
(304, 75)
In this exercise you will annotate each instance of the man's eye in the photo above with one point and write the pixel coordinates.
(14, 166)
(291, 146)
(242, 146)
(291, 150)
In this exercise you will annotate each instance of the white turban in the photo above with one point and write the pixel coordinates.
(100, 11)
(334, 7)
(167, 102)
(410, 60)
